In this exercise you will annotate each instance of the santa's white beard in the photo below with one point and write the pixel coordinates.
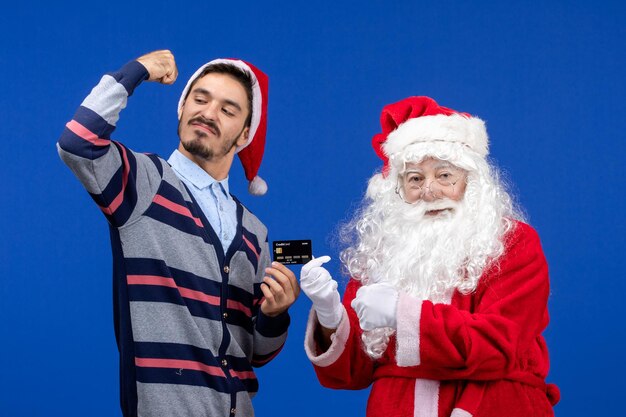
(428, 257)
(423, 254)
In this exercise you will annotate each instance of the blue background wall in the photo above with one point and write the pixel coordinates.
(546, 76)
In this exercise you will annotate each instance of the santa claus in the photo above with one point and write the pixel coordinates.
(448, 294)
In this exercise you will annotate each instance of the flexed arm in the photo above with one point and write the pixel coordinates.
(110, 172)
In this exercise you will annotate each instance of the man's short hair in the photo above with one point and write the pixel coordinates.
(244, 77)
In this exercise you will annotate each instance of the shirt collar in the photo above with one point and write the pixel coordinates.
(191, 172)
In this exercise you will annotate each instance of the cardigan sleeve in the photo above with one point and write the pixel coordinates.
(270, 333)
(111, 173)
(502, 332)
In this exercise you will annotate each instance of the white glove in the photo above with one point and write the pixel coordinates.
(375, 305)
(321, 288)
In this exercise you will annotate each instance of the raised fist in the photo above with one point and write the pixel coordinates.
(160, 65)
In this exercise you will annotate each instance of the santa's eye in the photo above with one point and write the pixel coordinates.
(414, 179)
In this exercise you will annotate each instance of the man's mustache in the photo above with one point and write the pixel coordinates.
(210, 124)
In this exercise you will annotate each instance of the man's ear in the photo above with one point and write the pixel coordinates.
(243, 138)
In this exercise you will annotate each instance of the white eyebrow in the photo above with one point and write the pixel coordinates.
(411, 170)
(439, 165)
(445, 164)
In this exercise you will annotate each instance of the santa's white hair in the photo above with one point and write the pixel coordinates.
(392, 241)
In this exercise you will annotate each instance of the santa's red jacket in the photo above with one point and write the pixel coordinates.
(481, 355)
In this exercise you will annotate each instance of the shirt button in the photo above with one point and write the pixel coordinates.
(226, 269)
(224, 362)
(225, 315)
(233, 411)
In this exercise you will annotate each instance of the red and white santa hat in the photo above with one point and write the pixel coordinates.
(251, 153)
(420, 119)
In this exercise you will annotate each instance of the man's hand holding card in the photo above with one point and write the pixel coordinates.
(281, 288)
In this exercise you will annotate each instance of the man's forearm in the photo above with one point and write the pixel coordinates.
(85, 144)
(96, 118)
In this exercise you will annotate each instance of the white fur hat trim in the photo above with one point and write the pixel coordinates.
(456, 128)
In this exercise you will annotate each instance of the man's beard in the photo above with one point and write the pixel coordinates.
(198, 147)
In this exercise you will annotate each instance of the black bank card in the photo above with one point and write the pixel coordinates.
(291, 252)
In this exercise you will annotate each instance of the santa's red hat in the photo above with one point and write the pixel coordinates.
(421, 120)
(251, 153)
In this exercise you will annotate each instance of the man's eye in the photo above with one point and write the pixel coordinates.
(228, 112)
(200, 101)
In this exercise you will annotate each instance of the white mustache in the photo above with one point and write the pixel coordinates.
(439, 205)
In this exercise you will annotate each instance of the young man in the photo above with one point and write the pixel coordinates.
(197, 303)
(449, 289)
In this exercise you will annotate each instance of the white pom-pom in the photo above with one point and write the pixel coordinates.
(257, 186)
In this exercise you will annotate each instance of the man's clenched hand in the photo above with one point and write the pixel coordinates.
(160, 65)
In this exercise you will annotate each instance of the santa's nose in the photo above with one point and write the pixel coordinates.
(429, 195)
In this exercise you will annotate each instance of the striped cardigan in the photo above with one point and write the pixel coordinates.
(187, 319)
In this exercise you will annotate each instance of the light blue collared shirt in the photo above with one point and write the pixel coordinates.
(213, 197)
